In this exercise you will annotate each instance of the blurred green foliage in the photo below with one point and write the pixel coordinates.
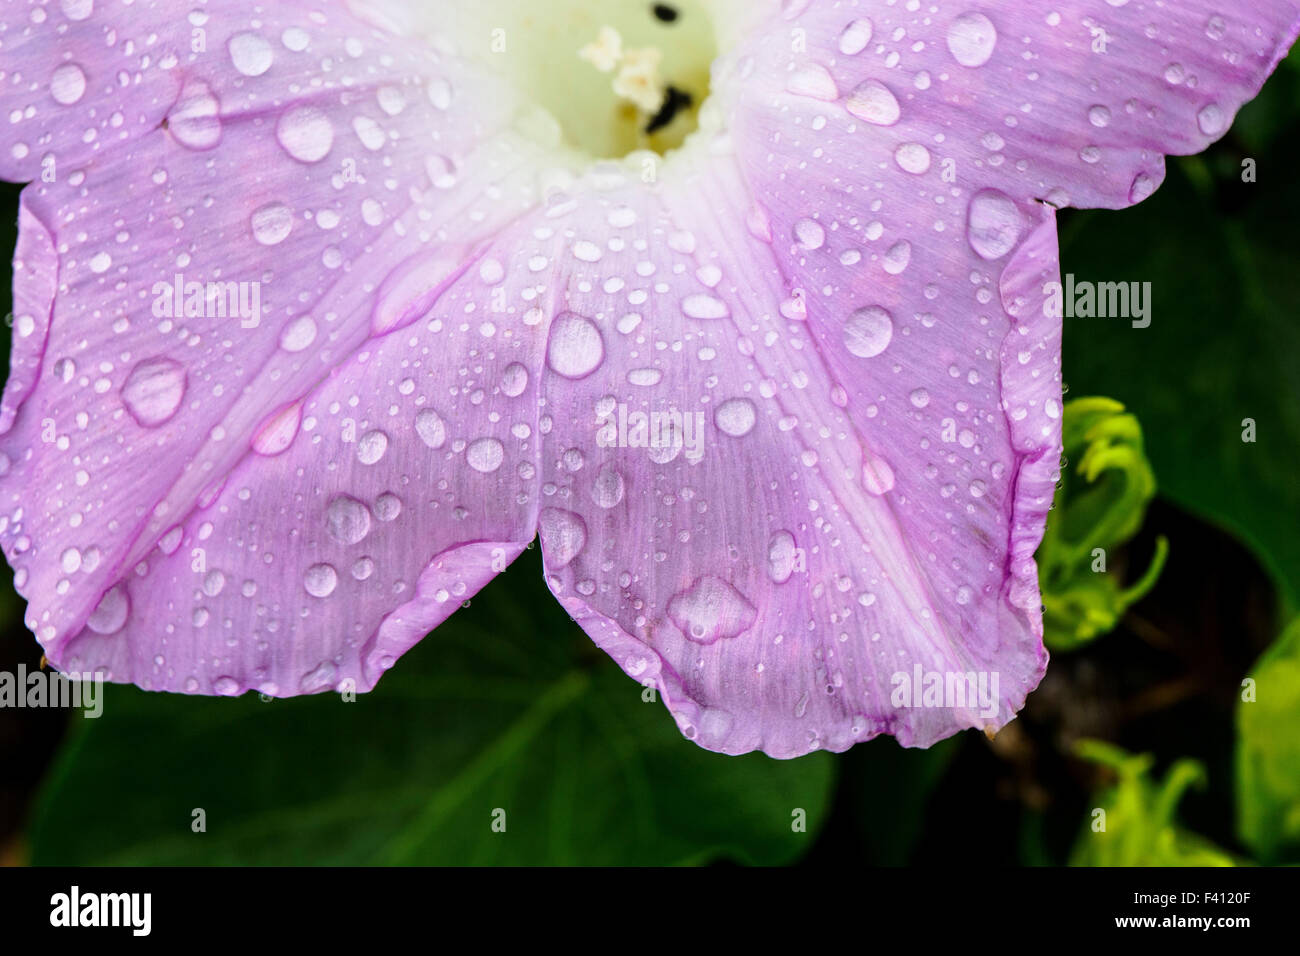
(1268, 753)
(490, 713)
(1099, 506)
(1133, 824)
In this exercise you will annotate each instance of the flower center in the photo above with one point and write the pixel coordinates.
(616, 75)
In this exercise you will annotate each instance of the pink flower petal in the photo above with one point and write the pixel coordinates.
(845, 284)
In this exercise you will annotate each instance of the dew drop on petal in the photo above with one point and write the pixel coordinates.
(877, 476)
(782, 556)
(576, 348)
(271, 223)
(153, 391)
(971, 38)
(993, 224)
(855, 37)
(195, 120)
(608, 488)
(305, 133)
(485, 455)
(67, 84)
(736, 417)
(250, 53)
(868, 331)
(430, 427)
(347, 520)
(872, 101)
(563, 534)
(320, 580)
(711, 610)
(111, 613)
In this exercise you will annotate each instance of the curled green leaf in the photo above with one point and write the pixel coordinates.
(1099, 507)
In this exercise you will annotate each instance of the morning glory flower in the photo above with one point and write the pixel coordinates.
(324, 311)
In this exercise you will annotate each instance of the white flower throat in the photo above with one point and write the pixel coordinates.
(617, 76)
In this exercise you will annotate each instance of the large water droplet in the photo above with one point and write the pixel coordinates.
(563, 536)
(430, 427)
(250, 53)
(195, 120)
(868, 331)
(576, 348)
(111, 612)
(993, 224)
(607, 490)
(320, 580)
(782, 556)
(305, 133)
(736, 417)
(153, 391)
(271, 223)
(485, 455)
(971, 38)
(67, 84)
(872, 101)
(710, 610)
(347, 520)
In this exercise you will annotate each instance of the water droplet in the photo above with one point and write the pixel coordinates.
(278, 432)
(514, 380)
(320, 580)
(736, 417)
(250, 53)
(608, 488)
(872, 101)
(868, 331)
(271, 223)
(993, 224)
(1211, 120)
(305, 133)
(153, 391)
(111, 612)
(710, 610)
(809, 234)
(298, 334)
(782, 556)
(912, 158)
(877, 476)
(815, 82)
(564, 534)
(576, 348)
(485, 455)
(430, 427)
(971, 38)
(371, 447)
(347, 520)
(67, 84)
(195, 120)
(855, 37)
(702, 306)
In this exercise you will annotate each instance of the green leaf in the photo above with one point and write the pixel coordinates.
(1136, 825)
(506, 707)
(1223, 346)
(1268, 753)
(1099, 505)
